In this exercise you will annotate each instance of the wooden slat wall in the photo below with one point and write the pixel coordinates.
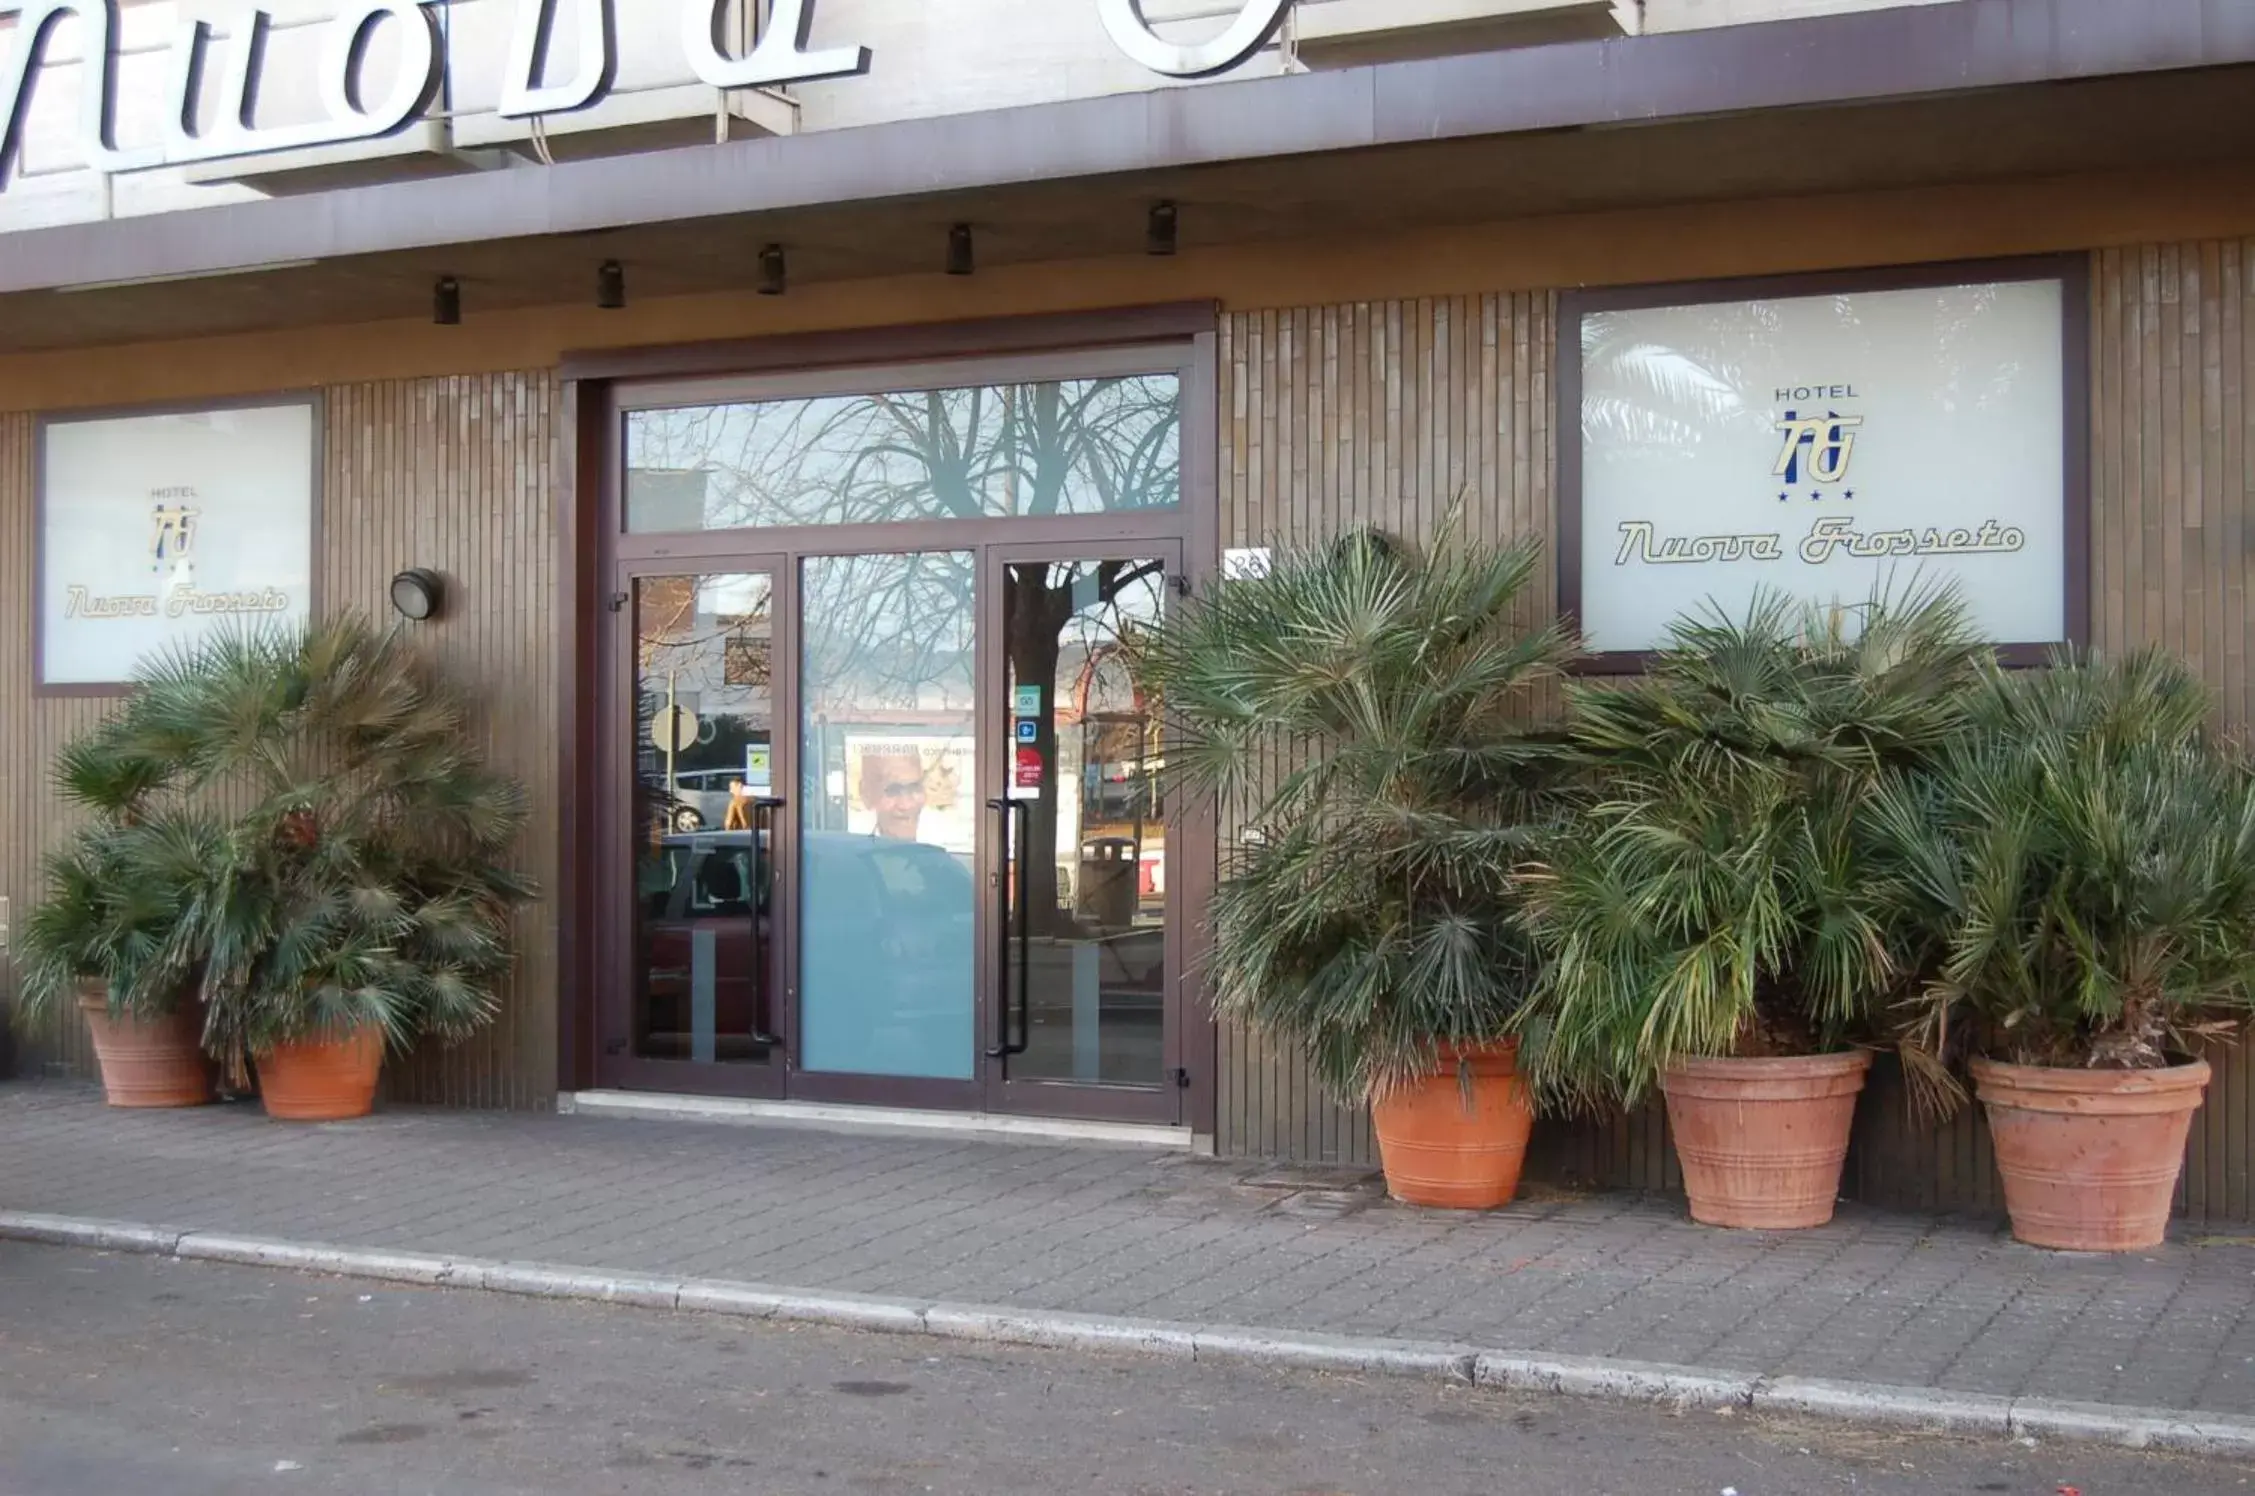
(1378, 412)
(449, 473)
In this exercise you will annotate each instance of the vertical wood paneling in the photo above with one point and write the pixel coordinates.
(454, 474)
(1381, 413)
(1374, 413)
(450, 473)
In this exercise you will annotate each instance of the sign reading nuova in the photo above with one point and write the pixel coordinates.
(1830, 447)
(216, 67)
(159, 530)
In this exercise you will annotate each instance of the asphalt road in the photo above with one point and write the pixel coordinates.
(138, 1375)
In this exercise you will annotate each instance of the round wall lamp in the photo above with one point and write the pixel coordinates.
(417, 594)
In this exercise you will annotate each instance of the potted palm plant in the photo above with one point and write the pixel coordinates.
(359, 895)
(2081, 872)
(106, 932)
(1370, 715)
(1704, 916)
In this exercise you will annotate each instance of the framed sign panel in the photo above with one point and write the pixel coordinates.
(158, 529)
(1831, 437)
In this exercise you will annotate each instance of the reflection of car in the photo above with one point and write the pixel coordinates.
(699, 797)
(887, 944)
(696, 899)
(668, 812)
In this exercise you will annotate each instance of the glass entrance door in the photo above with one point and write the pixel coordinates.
(1085, 964)
(694, 1001)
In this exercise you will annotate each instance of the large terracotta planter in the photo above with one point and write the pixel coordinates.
(146, 1062)
(1457, 1143)
(2089, 1157)
(324, 1079)
(1761, 1141)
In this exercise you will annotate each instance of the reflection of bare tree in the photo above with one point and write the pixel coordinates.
(1071, 447)
(1094, 606)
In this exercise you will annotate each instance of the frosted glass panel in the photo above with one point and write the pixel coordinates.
(889, 812)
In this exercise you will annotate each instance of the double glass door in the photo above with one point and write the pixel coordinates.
(893, 833)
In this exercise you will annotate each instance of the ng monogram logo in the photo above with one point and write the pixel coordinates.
(1824, 441)
(172, 534)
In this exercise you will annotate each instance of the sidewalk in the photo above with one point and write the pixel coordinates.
(1906, 1301)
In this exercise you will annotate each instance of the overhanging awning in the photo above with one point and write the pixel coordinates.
(1971, 90)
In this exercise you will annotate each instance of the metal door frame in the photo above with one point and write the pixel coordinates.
(618, 932)
(1191, 528)
(1058, 1098)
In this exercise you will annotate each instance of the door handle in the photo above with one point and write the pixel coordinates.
(1021, 813)
(763, 810)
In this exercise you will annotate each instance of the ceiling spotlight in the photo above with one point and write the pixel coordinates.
(446, 302)
(960, 259)
(610, 286)
(1159, 232)
(772, 277)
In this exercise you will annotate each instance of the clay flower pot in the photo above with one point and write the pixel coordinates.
(322, 1079)
(2090, 1158)
(1442, 1146)
(1761, 1141)
(147, 1061)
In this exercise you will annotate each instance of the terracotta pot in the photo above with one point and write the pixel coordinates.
(1761, 1141)
(1441, 1147)
(147, 1061)
(324, 1079)
(2090, 1158)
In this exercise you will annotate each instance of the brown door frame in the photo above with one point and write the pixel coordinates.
(616, 937)
(1176, 339)
(1055, 1098)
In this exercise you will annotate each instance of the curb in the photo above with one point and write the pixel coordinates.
(1862, 1404)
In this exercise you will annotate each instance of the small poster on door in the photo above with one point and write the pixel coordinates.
(912, 788)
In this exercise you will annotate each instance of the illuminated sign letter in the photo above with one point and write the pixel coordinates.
(350, 117)
(522, 93)
(97, 21)
(780, 56)
(1250, 32)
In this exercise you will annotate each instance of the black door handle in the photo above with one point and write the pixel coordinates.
(1022, 813)
(763, 808)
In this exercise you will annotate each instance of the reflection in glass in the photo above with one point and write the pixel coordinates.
(889, 805)
(1086, 446)
(1092, 870)
(703, 746)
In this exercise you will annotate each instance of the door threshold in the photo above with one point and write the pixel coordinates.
(655, 1106)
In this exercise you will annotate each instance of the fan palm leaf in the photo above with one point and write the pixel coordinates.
(1371, 716)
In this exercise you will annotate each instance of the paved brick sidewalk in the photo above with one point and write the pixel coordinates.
(1906, 1300)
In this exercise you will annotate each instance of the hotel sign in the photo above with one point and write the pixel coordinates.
(157, 531)
(215, 70)
(1830, 447)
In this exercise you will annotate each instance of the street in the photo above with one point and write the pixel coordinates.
(132, 1374)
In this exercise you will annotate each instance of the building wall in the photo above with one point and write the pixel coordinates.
(926, 59)
(451, 473)
(1379, 412)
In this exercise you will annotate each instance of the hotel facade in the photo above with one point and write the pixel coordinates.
(780, 413)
